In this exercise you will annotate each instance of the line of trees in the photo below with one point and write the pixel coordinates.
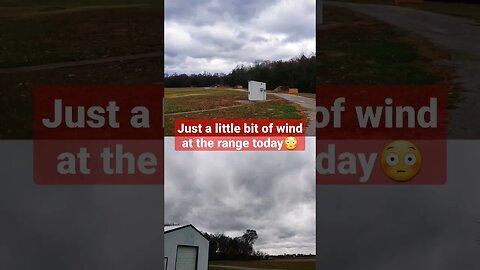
(204, 79)
(223, 247)
(298, 72)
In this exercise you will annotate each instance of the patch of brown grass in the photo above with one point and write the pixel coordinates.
(195, 99)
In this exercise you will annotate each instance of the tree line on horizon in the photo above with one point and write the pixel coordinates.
(223, 247)
(298, 72)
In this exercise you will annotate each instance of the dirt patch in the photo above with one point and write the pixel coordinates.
(286, 264)
(247, 102)
(187, 95)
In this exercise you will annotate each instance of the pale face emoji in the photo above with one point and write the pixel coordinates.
(401, 160)
(290, 143)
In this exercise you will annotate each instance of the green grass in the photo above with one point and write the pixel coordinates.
(194, 99)
(286, 111)
(16, 101)
(471, 11)
(463, 56)
(199, 91)
(365, 51)
(45, 32)
(274, 109)
(30, 39)
(360, 50)
(284, 264)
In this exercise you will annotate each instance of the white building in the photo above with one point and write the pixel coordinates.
(257, 90)
(185, 248)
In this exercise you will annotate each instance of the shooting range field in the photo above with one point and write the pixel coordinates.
(223, 103)
(287, 264)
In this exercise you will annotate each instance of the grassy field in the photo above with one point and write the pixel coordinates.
(193, 99)
(456, 9)
(32, 35)
(357, 49)
(16, 103)
(181, 103)
(14, 3)
(286, 264)
(471, 11)
(38, 35)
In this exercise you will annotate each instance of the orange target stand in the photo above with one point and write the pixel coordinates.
(293, 91)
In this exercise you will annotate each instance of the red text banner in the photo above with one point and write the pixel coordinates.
(240, 135)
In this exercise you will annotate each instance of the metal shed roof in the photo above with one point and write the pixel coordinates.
(173, 227)
(167, 229)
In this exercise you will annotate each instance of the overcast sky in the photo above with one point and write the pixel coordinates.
(74, 227)
(404, 227)
(272, 193)
(217, 35)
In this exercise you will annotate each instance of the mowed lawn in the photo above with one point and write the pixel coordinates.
(188, 103)
(287, 264)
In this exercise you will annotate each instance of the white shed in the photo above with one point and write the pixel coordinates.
(185, 248)
(257, 90)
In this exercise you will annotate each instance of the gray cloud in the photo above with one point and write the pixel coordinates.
(217, 35)
(409, 227)
(273, 193)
